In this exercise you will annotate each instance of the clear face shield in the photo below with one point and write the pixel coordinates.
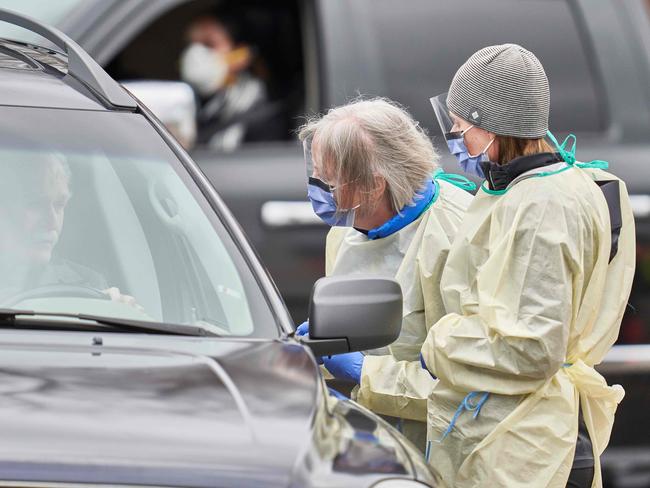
(309, 160)
(453, 129)
(447, 125)
(321, 192)
(310, 165)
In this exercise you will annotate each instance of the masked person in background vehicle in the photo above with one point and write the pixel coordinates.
(34, 193)
(217, 64)
(535, 287)
(373, 176)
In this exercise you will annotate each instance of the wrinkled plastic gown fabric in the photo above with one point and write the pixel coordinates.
(393, 382)
(533, 304)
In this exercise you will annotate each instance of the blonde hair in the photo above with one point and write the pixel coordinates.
(369, 138)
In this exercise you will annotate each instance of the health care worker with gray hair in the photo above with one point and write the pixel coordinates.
(535, 287)
(373, 177)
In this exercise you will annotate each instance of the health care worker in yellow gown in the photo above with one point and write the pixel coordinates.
(535, 287)
(371, 176)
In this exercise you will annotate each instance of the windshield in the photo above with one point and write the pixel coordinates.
(49, 12)
(99, 217)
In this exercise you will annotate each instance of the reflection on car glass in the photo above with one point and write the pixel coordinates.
(100, 218)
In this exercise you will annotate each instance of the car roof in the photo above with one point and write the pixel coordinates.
(36, 76)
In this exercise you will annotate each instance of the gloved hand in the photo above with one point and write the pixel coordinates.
(424, 366)
(303, 329)
(345, 366)
(116, 295)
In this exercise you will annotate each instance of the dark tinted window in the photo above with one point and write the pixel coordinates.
(423, 44)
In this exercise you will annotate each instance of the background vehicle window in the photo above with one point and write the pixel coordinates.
(440, 38)
(272, 31)
(92, 201)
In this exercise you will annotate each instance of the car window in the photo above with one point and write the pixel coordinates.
(263, 96)
(99, 217)
(423, 45)
(47, 11)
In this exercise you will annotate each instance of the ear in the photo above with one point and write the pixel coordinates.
(379, 191)
(380, 187)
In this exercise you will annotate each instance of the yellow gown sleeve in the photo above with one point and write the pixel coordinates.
(400, 388)
(514, 336)
(395, 388)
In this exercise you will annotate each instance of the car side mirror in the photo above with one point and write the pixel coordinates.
(172, 102)
(353, 313)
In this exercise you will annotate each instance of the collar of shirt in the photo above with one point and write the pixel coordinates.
(499, 176)
(408, 214)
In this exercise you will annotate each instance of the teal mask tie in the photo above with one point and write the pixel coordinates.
(569, 154)
(457, 180)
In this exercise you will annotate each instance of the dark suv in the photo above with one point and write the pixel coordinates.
(141, 341)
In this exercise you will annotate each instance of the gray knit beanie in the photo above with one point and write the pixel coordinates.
(502, 89)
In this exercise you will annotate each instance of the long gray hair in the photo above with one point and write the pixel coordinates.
(369, 138)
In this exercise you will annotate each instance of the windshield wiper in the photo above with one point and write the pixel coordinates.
(8, 317)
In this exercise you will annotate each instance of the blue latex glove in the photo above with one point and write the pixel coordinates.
(424, 366)
(345, 366)
(303, 329)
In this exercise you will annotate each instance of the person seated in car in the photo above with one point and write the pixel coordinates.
(34, 193)
(218, 65)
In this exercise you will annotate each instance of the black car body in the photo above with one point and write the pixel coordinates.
(191, 413)
(108, 400)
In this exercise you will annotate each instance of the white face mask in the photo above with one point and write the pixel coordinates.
(203, 68)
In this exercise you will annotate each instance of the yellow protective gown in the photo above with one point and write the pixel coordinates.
(393, 382)
(533, 305)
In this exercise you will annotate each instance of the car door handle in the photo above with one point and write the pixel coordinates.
(282, 214)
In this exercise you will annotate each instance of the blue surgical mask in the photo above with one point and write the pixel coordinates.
(470, 164)
(324, 205)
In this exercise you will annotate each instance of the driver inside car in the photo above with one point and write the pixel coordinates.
(34, 193)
